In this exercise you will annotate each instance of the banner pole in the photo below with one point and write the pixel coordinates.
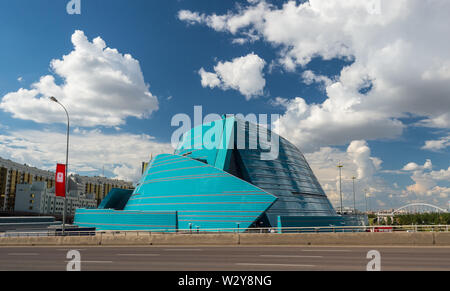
(67, 177)
(67, 165)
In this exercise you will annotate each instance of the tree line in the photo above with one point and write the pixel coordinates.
(415, 219)
(422, 219)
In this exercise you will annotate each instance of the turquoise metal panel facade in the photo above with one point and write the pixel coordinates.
(194, 145)
(116, 199)
(107, 219)
(288, 177)
(204, 197)
(309, 221)
(216, 181)
(286, 222)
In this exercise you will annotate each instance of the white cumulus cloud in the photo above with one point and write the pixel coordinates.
(244, 74)
(436, 145)
(414, 167)
(426, 181)
(400, 60)
(90, 151)
(100, 86)
(335, 122)
(357, 162)
(431, 186)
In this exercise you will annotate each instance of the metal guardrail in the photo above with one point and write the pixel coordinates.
(328, 229)
(376, 228)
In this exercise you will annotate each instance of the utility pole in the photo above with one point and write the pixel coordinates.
(354, 195)
(340, 183)
(365, 197)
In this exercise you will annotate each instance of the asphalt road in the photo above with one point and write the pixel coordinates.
(202, 258)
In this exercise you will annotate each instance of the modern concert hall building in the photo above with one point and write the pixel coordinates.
(229, 174)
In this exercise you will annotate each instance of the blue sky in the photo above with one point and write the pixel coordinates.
(317, 58)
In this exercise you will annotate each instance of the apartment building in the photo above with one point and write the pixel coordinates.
(37, 198)
(98, 186)
(13, 174)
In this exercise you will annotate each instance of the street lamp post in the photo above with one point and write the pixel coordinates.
(340, 183)
(67, 162)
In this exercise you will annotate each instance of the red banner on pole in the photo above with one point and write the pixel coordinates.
(60, 180)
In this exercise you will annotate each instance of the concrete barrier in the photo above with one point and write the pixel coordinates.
(194, 239)
(319, 239)
(49, 241)
(357, 239)
(29, 241)
(79, 240)
(442, 238)
(124, 239)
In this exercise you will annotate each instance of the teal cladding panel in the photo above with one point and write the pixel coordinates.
(320, 221)
(203, 142)
(203, 196)
(116, 199)
(108, 219)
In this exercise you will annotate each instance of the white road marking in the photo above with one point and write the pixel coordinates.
(139, 255)
(274, 265)
(343, 251)
(97, 262)
(288, 256)
(91, 262)
(195, 250)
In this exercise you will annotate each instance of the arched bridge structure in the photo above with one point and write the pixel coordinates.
(419, 208)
